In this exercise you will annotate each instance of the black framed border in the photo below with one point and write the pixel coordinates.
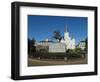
(15, 42)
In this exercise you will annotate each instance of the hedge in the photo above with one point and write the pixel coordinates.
(56, 55)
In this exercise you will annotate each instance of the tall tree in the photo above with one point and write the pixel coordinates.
(86, 44)
(31, 46)
(57, 35)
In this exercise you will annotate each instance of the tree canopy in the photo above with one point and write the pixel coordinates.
(57, 35)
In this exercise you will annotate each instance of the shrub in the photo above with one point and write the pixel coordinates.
(73, 55)
(49, 55)
(46, 55)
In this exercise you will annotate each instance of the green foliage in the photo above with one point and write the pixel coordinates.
(43, 50)
(86, 44)
(31, 46)
(73, 55)
(49, 55)
(78, 50)
(57, 35)
(69, 55)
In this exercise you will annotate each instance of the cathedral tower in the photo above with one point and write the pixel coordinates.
(69, 42)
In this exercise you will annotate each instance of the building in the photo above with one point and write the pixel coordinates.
(82, 45)
(70, 42)
(43, 45)
(57, 47)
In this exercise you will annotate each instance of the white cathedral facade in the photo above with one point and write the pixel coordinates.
(69, 42)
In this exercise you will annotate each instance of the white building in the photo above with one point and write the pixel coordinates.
(50, 46)
(82, 45)
(70, 42)
(57, 47)
(43, 45)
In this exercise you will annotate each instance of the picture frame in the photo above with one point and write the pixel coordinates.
(19, 10)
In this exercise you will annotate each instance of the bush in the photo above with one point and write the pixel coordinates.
(42, 55)
(73, 55)
(49, 55)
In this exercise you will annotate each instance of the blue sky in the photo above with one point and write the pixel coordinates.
(42, 27)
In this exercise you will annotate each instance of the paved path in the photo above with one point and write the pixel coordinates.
(36, 62)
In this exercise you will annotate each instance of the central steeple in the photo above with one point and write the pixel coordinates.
(66, 29)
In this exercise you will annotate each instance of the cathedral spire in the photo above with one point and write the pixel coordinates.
(66, 28)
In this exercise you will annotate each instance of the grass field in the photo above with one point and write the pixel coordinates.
(46, 62)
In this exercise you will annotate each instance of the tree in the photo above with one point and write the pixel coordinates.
(29, 42)
(31, 46)
(57, 35)
(86, 44)
(78, 50)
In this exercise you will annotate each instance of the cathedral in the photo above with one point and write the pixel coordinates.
(69, 42)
